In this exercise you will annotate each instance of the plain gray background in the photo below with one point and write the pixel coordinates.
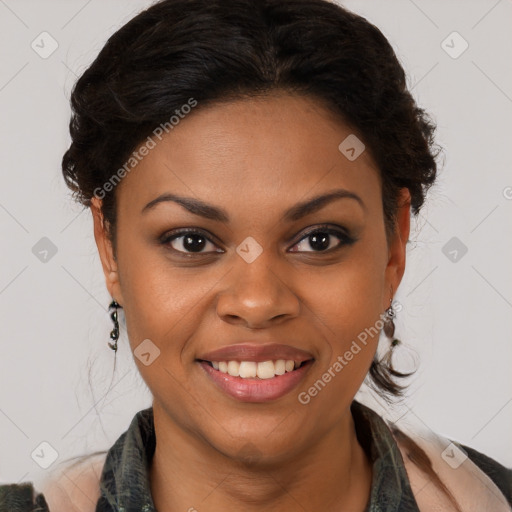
(456, 317)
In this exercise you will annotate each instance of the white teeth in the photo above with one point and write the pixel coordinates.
(266, 370)
(252, 369)
(234, 368)
(248, 369)
(280, 367)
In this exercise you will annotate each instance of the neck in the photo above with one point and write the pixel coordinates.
(186, 473)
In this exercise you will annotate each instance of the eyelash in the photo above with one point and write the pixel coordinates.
(343, 235)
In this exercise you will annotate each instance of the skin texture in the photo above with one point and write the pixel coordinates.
(255, 158)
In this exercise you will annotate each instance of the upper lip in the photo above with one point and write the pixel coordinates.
(256, 352)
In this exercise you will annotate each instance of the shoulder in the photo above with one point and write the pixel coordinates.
(75, 488)
(474, 480)
(499, 474)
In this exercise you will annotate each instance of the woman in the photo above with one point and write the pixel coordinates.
(251, 167)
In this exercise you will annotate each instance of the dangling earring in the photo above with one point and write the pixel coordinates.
(114, 334)
(389, 326)
(389, 331)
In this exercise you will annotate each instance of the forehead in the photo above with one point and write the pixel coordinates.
(252, 153)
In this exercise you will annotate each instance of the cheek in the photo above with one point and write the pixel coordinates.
(348, 319)
(165, 304)
(159, 322)
(348, 306)
(351, 293)
(348, 310)
(162, 302)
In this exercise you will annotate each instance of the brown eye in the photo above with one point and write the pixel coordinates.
(189, 242)
(321, 240)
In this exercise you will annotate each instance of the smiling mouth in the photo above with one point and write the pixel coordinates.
(256, 370)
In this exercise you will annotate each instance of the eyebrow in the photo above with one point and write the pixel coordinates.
(294, 213)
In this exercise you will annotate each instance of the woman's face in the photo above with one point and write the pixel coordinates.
(253, 274)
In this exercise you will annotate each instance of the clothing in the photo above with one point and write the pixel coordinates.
(125, 484)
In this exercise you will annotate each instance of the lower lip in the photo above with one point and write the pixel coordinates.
(256, 390)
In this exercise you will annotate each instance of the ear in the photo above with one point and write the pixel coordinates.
(106, 252)
(397, 247)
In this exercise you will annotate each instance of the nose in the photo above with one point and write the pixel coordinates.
(258, 295)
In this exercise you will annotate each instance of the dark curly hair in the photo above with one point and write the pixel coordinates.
(222, 50)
